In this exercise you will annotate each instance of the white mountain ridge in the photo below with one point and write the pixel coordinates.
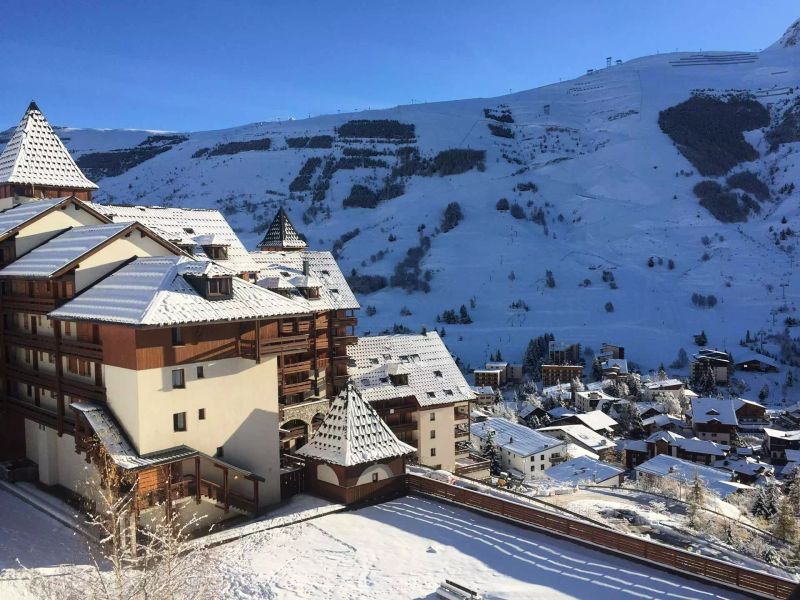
(613, 188)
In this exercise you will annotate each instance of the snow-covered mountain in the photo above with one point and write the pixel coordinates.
(610, 190)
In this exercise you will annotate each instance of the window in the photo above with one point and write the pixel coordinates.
(177, 336)
(541, 467)
(216, 252)
(179, 421)
(78, 366)
(374, 478)
(433, 434)
(533, 467)
(220, 452)
(178, 380)
(433, 416)
(437, 374)
(448, 392)
(67, 328)
(433, 451)
(431, 394)
(219, 287)
(200, 373)
(201, 414)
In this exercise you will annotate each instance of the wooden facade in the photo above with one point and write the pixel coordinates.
(10, 190)
(348, 490)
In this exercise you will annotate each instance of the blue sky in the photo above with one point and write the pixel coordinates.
(182, 65)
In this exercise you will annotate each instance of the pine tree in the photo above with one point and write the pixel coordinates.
(704, 381)
(767, 500)
(490, 452)
(696, 499)
(701, 339)
(785, 524)
(597, 370)
(793, 490)
(463, 316)
(662, 374)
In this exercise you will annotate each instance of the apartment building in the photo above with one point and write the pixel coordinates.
(415, 385)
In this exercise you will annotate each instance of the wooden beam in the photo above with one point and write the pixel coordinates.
(59, 376)
(225, 488)
(258, 341)
(255, 495)
(197, 479)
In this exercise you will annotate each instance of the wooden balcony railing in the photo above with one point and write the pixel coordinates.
(83, 349)
(296, 388)
(28, 304)
(298, 367)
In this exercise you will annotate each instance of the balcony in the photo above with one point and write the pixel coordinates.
(345, 321)
(83, 349)
(404, 426)
(71, 387)
(28, 304)
(288, 389)
(302, 366)
(473, 466)
(460, 432)
(463, 448)
(460, 413)
(344, 339)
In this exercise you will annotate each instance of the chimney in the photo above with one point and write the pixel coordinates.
(305, 266)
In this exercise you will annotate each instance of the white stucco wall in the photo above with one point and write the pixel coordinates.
(383, 471)
(444, 442)
(327, 474)
(39, 231)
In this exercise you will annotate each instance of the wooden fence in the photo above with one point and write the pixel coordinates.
(680, 561)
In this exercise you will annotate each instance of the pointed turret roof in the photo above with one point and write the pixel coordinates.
(36, 156)
(282, 235)
(352, 434)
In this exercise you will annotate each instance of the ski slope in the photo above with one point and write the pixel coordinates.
(610, 184)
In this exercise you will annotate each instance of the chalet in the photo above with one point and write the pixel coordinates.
(615, 368)
(353, 456)
(484, 395)
(691, 449)
(777, 444)
(35, 164)
(746, 470)
(524, 452)
(136, 340)
(415, 385)
(683, 473)
(553, 374)
(718, 362)
(582, 437)
(648, 410)
(531, 413)
(661, 422)
(595, 420)
(660, 389)
(634, 452)
(588, 401)
(757, 363)
(750, 415)
(713, 419)
(611, 351)
(584, 470)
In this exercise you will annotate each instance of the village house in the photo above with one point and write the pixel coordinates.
(611, 351)
(584, 470)
(683, 473)
(353, 454)
(717, 361)
(415, 385)
(147, 349)
(662, 422)
(692, 449)
(745, 469)
(587, 401)
(713, 419)
(778, 444)
(562, 353)
(524, 452)
(484, 395)
(595, 420)
(584, 438)
(750, 415)
(654, 391)
(757, 363)
(492, 378)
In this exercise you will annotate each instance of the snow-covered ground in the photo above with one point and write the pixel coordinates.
(399, 549)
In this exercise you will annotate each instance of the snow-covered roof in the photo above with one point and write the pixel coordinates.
(616, 363)
(582, 435)
(352, 433)
(118, 448)
(36, 156)
(740, 402)
(663, 384)
(187, 227)
(153, 291)
(560, 411)
(283, 272)
(514, 437)
(632, 445)
(666, 436)
(791, 436)
(707, 410)
(483, 389)
(662, 420)
(792, 455)
(684, 471)
(746, 466)
(282, 235)
(583, 470)
(527, 409)
(596, 420)
(20, 214)
(694, 445)
(433, 376)
(497, 365)
(62, 250)
(753, 356)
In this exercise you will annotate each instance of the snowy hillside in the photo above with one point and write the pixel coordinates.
(611, 191)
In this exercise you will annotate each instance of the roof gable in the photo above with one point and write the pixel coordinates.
(352, 433)
(281, 234)
(36, 156)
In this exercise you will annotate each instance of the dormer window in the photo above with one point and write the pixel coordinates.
(216, 252)
(219, 287)
(399, 379)
(311, 293)
(188, 248)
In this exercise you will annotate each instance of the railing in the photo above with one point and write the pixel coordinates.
(296, 388)
(462, 448)
(673, 559)
(405, 426)
(83, 349)
(30, 340)
(460, 431)
(28, 304)
(297, 367)
(286, 343)
(459, 414)
(478, 463)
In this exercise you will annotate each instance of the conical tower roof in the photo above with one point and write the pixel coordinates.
(36, 156)
(282, 235)
(352, 433)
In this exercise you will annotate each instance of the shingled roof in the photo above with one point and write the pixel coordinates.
(352, 434)
(282, 235)
(36, 156)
